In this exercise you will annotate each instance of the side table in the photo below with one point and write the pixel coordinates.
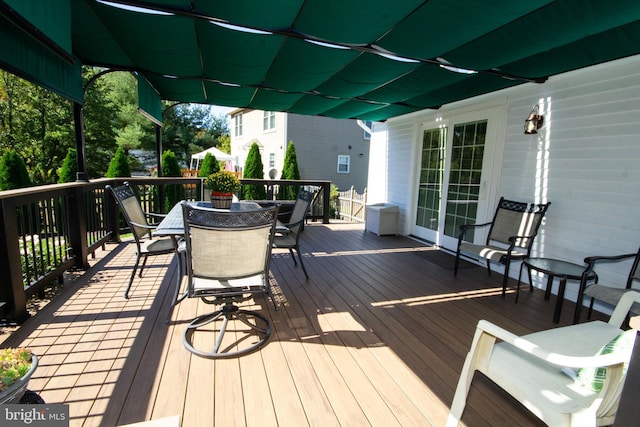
(563, 270)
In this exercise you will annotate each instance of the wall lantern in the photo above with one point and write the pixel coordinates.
(534, 121)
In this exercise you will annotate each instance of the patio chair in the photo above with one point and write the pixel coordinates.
(228, 256)
(568, 376)
(141, 229)
(609, 294)
(511, 234)
(291, 239)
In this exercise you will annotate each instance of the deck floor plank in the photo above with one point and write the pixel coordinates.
(376, 336)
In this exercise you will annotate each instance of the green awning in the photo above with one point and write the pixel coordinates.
(36, 45)
(368, 59)
(149, 102)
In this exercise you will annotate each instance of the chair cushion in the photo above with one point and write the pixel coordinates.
(252, 283)
(285, 241)
(158, 246)
(493, 253)
(609, 295)
(594, 377)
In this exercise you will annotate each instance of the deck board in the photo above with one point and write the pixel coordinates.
(377, 337)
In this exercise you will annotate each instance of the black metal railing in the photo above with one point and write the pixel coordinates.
(50, 229)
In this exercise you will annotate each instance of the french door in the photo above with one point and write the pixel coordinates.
(455, 175)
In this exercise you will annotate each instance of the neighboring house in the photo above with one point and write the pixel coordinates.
(326, 148)
(585, 160)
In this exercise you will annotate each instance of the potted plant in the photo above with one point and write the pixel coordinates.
(222, 185)
(16, 367)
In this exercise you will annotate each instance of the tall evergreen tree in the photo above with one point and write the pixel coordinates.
(253, 168)
(290, 171)
(119, 165)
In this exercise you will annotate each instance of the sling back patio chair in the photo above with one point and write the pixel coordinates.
(141, 229)
(605, 293)
(567, 376)
(510, 237)
(291, 239)
(228, 255)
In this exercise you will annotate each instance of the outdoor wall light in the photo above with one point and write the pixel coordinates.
(533, 122)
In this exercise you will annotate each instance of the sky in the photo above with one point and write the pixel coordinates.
(217, 110)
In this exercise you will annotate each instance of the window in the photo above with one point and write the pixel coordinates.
(237, 123)
(343, 164)
(272, 160)
(369, 124)
(268, 120)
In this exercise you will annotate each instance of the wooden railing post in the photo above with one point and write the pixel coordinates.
(78, 227)
(13, 301)
(111, 215)
(326, 188)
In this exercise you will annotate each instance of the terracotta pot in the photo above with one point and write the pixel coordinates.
(221, 200)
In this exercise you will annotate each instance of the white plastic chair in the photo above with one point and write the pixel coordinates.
(530, 368)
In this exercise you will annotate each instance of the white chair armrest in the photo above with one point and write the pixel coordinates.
(549, 356)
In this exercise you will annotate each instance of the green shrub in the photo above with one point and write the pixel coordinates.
(69, 169)
(209, 165)
(253, 168)
(170, 167)
(119, 165)
(13, 171)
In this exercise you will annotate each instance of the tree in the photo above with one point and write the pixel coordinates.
(209, 165)
(225, 143)
(119, 165)
(170, 167)
(290, 171)
(13, 171)
(69, 169)
(36, 124)
(100, 115)
(253, 168)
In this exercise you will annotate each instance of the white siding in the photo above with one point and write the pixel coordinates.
(585, 160)
(270, 141)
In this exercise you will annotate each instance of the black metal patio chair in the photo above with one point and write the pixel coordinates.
(228, 255)
(291, 239)
(511, 234)
(141, 229)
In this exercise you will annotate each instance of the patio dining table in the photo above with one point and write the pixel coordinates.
(173, 224)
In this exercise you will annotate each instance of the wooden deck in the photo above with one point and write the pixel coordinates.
(377, 336)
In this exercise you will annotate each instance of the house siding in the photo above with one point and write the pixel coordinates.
(324, 140)
(270, 141)
(585, 160)
(318, 141)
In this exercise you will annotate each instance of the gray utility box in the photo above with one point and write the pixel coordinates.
(382, 218)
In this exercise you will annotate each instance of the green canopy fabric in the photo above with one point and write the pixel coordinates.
(367, 59)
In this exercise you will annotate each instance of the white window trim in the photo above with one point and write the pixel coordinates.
(270, 117)
(237, 124)
(344, 160)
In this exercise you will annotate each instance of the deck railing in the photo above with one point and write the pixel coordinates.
(50, 229)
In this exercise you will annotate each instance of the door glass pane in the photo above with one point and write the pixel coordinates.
(430, 186)
(464, 177)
